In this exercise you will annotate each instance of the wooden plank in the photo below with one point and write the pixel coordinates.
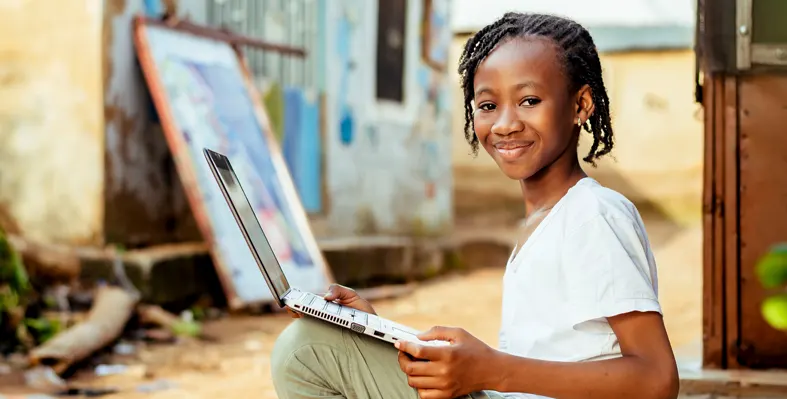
(713, 337)
(730, 240)
(763, 214)
(718, 219)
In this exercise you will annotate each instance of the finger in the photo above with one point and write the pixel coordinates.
(294, 314)
(434, 394)
(404, 361)
(418, 351)
(440, 334)
(415, 368)
(336, 291)
(425, 383)
(331, 294)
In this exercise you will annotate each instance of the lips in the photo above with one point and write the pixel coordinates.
(511, 150)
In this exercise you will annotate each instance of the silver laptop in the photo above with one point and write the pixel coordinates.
(301, 302)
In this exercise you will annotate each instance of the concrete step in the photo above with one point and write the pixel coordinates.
(179, 273)
(696, 383)
(166, 274)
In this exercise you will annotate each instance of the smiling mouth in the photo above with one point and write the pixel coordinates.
(512, 151)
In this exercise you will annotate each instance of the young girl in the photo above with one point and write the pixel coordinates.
(580, 317)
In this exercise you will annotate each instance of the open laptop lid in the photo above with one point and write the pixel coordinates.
(249, 224)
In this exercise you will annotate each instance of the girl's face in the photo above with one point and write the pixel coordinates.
(525, 117)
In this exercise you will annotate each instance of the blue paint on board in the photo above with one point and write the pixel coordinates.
(234, 116)
(153, 8)
(302, 147)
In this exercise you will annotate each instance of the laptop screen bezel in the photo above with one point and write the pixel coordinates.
(212, 157)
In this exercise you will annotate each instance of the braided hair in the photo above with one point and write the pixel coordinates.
(578, 54)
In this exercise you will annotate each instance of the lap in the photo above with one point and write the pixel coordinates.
(342, 362)
(312, 358)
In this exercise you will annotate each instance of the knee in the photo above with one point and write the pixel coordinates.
(301, 333)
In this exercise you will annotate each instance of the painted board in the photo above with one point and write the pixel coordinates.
(203, 93)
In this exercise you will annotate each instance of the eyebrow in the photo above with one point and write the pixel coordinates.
(526, 84)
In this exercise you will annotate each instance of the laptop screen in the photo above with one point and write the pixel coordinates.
(250, 224)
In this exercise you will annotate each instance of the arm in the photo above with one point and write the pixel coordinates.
(646, 370)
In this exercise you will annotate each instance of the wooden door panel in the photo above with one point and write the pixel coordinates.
(762, 113)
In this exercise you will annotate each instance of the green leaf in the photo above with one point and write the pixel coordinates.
(12, 270)
(774, 310)
(43, 328)
(771, 269)
(187, 328)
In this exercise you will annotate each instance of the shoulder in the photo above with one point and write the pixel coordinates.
(607, 247)
(589, 203)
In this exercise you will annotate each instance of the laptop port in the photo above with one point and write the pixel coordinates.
(357, 328)
(379, 334)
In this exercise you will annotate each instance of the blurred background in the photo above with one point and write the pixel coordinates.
(100, 225)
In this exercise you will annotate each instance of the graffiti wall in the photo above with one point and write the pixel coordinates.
(388, 164)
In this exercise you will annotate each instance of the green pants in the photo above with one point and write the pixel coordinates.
(314, 359)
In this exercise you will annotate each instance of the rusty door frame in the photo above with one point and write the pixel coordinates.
(721, 260)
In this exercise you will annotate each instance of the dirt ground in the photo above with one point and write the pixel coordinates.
(237, 364)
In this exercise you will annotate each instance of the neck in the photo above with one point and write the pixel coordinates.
(545, 188)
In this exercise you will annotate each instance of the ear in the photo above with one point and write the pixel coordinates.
(585, 104)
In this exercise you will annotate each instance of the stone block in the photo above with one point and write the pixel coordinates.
(165, 275)
(367, 261)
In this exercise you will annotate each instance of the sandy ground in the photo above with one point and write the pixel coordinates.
(237, 365)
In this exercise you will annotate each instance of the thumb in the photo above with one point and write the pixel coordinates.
(441, 334)
(336, 291)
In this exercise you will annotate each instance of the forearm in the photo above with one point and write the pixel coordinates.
(626, 376)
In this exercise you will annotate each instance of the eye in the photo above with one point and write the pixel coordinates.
(487, 107)
(530, 102)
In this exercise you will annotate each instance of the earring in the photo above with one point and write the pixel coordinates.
(579, 121)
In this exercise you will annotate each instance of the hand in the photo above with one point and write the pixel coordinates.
(347, 297)
(293, 314)
(343, 296)
(450, 371)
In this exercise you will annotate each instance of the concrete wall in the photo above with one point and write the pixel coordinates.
(388, 166)
(138, 183)
(658, 135)
(83, 159)
(145, 202)
(51, 124)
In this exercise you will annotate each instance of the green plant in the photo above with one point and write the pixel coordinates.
(772, 272)
(14, 288)
(21, 323)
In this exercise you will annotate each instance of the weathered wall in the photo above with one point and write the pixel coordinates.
(388, 165)
(145, 202)
(51, 124)
(658, 135)
(138, 186)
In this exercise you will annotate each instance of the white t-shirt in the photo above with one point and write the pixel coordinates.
(589, 259)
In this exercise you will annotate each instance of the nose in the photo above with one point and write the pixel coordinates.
(508, 122)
